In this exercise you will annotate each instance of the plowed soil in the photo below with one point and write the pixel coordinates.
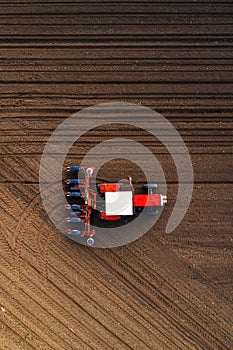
(164, 291)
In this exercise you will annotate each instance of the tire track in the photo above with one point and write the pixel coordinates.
(104, 274)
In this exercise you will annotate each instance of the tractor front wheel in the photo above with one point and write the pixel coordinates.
(150, 188)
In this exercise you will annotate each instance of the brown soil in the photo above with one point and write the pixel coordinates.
(164, 291)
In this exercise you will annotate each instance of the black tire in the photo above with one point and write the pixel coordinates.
(150, 188)
(150, 185)
(152, 211)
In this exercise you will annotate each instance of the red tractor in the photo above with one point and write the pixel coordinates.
(110, 201)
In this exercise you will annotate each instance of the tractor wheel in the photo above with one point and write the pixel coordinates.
(151, 211)
(150, 188)
(150, 185)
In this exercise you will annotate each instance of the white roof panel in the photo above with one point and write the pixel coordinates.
(119, 203)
